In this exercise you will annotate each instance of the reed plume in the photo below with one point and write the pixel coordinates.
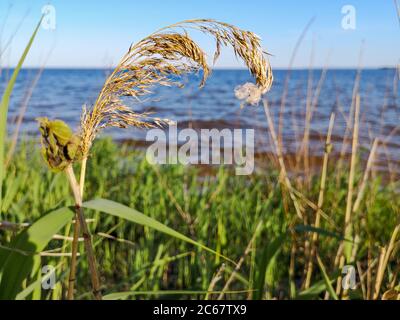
(160, 59)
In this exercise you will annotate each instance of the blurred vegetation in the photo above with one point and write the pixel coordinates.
(214, 207)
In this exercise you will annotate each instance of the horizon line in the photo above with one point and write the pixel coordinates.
(216, 68)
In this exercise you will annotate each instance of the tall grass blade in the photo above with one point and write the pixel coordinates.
(320, 231)
(4, 104)
(328, 282)
(268, 259)
(313, 292)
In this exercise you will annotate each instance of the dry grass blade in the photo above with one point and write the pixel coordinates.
(21, 115)
(310, 109)
(349, 202)
(7, 225)
(383, 262)
(160, 59)
(328, 147)
(217, 277)
(287, 78)
(348, 222)
(367, 171)
(240, 262)
(349, 122)
(283, 173)
(397, 9)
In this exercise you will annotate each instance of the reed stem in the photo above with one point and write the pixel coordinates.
(75, 241)
(85, 232)
(74, 252)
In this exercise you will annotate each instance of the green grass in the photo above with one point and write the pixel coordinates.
(217, 209)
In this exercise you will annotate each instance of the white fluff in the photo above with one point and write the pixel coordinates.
(249, 93)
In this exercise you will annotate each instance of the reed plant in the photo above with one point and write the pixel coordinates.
(156, 60)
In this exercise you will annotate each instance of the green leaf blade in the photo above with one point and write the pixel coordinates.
(17, 265)
(4, 105)
(124, 212)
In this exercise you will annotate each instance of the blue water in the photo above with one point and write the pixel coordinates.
(60, 93)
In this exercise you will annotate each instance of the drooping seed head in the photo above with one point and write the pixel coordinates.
(160, 59)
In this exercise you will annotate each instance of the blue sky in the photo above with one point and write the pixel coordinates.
(96, 33)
